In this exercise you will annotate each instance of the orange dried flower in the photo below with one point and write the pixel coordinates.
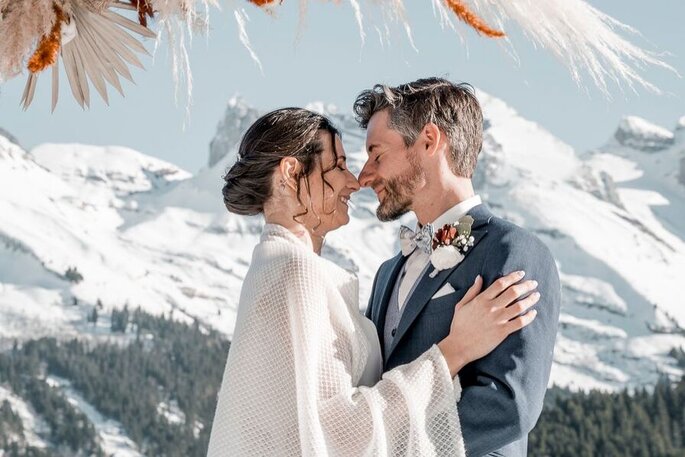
(444, 236)
(48, 48)
(261, 3)
(144, 8)
(468, 16)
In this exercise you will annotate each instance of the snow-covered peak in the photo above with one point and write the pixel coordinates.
(120, 169)
(9, 136)
(327, 109)
(613, 221)
(681, 123)
(9, 149)
(637, 133)
(237, 118)
(680, 132)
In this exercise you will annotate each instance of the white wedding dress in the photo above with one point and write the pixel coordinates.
(303, 375)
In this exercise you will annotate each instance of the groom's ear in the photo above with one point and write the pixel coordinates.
(431, 138)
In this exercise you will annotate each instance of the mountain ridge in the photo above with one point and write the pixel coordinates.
(140, 231)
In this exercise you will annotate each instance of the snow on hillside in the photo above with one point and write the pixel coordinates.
(63, 207)
(144, 233)
(33, 425)
(113, 439)
(617, 241)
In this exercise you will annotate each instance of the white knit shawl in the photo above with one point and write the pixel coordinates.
(291, 382)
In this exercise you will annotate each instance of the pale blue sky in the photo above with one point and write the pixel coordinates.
(329, 64)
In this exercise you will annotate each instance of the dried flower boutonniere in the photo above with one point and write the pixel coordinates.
(450, 244)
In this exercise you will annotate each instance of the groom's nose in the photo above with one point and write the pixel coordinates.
(367, 175)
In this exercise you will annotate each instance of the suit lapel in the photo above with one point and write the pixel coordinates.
(428, 286)
(386, 282)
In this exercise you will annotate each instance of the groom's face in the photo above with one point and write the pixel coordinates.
(392, 169)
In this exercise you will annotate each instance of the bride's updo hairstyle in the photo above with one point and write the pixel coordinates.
(285, 132)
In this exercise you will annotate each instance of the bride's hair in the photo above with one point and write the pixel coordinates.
(285, 132)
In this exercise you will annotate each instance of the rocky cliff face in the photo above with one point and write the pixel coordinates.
(637, 133)
(237, 118)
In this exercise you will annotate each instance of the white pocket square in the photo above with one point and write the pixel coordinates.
(444, 290)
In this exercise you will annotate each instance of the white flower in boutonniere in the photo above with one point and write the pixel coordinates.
(450, 244)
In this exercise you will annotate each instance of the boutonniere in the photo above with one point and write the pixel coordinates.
(450, 244)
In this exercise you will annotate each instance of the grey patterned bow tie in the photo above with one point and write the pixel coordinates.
(410, 240)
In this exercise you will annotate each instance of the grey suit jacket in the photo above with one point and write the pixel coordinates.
(503, 392)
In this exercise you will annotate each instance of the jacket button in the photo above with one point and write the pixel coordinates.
(393, 332)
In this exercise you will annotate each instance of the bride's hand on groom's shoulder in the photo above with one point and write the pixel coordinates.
(482, 320)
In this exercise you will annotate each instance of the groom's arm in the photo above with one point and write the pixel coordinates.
(503, 392)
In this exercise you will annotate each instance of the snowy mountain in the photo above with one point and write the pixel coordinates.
(82, 224)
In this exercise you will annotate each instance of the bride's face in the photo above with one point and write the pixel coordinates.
(330, 187)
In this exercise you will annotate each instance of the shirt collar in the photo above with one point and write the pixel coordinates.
(456, 212)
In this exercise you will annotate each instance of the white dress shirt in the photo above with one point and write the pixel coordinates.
(418, 260)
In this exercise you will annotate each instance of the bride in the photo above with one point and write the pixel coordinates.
(304, 372)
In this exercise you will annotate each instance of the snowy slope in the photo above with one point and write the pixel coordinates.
(144, 233)
(617, 240)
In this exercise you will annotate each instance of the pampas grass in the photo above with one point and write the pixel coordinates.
(466, 15)
(23, 23)
(580, 36)
(48, 48)
(590, 43)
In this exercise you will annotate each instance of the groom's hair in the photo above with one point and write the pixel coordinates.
(452, 107)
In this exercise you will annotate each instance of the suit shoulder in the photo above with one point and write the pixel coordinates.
(507, 237)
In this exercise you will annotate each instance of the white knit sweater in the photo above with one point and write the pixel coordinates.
(291, 385)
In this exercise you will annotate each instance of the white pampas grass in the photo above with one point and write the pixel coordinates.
(22, 23)
(241, 19)
(583, 38)
(590, 43)
(178, 21)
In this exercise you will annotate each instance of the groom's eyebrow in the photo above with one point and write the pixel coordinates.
(370, 148)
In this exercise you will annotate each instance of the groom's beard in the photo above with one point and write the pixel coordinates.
(399, 192)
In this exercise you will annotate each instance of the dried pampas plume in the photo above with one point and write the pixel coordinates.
(466, 15)
(580, 36)
(48, 48)
(23, 23)
(263, 2)
(590, 43)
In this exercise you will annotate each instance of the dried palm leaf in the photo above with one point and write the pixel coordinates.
(96, 47)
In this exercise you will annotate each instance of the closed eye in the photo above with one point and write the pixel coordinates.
(342, 163)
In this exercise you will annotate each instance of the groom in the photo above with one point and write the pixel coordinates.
(423, 140)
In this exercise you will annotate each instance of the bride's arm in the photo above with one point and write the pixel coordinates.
(411, 410)
(408, 412)
(289, 385)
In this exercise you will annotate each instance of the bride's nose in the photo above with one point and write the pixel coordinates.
(352, 182)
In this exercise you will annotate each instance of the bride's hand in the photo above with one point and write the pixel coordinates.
(483, 320)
